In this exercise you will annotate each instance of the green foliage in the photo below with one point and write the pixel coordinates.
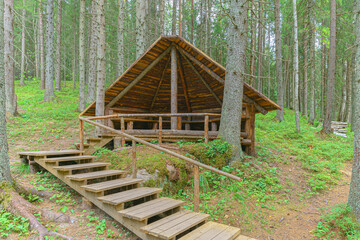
(340, 221)
(12, 224)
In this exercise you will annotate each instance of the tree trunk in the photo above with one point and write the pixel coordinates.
(23, 23)
(279, 82)
(312, 63)
(296, 69)
(260, 49)
(100, 94)
(90, 96)
(162, 16)
(173, 25)
(120, 38)
(331, 68)
(5, 174)
(42, 54)
(305, 71)
(141, 7)
(354, 194)
(230, 128)
(348, 90)
(49, 87)
(9, 57)
(192, 23)
(58, 49)
(82, 56)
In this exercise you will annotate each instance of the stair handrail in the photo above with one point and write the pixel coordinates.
(196, 164)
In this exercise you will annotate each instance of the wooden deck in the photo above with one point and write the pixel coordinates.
(140, 209)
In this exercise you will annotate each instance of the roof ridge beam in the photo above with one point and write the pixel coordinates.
(138, 78)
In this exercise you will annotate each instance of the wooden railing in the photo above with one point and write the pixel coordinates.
(196, 164)
(160, 121)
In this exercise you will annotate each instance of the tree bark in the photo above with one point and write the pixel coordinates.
(354, 194)
(173, 25)
(100, 94)
(348, 90)
(192, 23)
(120, 38)
(42, 54)
(23, 23)
(5, 174)
(162, 16)
(49, 87)
(305, 70)
(141, 7)
(82, 56)
(90, 96)
(230, 127)
(58, 48)
(260, 49)
(331, 69)
(279, 82)
(296, 69)
(312, 63)
(9, 57)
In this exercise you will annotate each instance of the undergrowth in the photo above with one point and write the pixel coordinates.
(13, 224)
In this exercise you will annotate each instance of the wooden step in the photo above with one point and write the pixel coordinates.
(130, 195)
(95, 175)
(66, 159)
(152, 208)
(213, 231)
(81, 166)
(86, 145)
(175, 224)
(50, 153)
(93, 139)
(108, 185)
(242, 237)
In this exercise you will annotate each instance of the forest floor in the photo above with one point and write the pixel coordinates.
(287, 191)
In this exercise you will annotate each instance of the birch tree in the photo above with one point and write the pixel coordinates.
(162, 16)
(5, 174)
(9, 57)
(82, 56)
(141, 7)
(173, 23)
(354, 194)
(23, 25)
(331, 69)
(58, 49)
(230, 127)
(120, 38)
(90, 95)
(296, 69)
(41, 41)
(279, 82)
(49, 87)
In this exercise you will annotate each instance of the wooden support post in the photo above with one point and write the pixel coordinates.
(130, 125)
(213, 126)
(160, 130)
(81, 128)
(196, 189)
(134, 169)
(187, 125)
(174, 88)
(179, 123)
(122, 130)
(251, 135)
(206, 129)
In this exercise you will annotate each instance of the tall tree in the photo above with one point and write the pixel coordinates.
(279, 72)
(49, 87)
(173, 23)
(120, 37)
(100, 94)
(192, 22)
(354, 194)
(5, 174)
(230, 129)
(82, 55)
(331, 69)
(141, 7)
(9, 57)
(41, 42)
(162, 16)
(90, 95)
(23, 29)
(58, 48)
(312, 62)
(296, 69)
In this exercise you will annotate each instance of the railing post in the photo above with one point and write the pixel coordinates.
(179, 123)
(160, 130)
(122, 130)
(196, 189)
(206, 129)
(81, 128)
(134, 169)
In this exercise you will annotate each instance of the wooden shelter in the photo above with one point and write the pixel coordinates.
(174, 92)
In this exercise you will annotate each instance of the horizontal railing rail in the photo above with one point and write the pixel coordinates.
(135, 140)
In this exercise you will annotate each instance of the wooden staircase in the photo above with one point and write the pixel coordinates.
(92, 144)
(140, 209)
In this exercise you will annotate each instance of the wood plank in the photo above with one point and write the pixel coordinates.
(67, 159)
(50, 153)
(108, 185)
(81, 166)
(213, 231)
(174, 88)
(160, 82)
(94, 175)
(129, 195)
(151, 208)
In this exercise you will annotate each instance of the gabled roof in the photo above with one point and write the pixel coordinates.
(145, 85)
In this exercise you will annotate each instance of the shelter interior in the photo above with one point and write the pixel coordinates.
(174, 92)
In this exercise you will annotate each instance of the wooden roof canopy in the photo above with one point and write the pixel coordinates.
(145, 86)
